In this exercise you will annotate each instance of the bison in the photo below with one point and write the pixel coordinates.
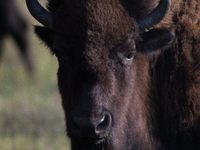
(129, 71)
(13, 24)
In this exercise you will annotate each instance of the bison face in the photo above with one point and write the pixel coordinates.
(104, 91)
(103, 73)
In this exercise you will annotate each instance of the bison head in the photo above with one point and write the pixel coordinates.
(104, 58)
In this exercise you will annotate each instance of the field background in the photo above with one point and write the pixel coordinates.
(31, 116)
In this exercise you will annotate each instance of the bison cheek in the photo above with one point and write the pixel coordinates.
(64, 88)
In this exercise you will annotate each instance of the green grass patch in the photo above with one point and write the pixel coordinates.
(31, 116)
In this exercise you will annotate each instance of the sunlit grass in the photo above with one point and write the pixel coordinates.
(30, 106)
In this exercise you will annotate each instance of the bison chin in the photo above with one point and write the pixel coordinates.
(100, 145)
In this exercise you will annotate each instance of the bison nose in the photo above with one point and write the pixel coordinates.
(84, 128)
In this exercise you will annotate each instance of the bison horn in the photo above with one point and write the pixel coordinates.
(39, 13)
(159, 13)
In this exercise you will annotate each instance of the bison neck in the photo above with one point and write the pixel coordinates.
(177, 73)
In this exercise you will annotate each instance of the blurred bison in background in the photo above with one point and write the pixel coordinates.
(13, 24)
(124, 85)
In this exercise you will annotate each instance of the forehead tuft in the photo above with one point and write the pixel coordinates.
(93, 29)
(98, 22)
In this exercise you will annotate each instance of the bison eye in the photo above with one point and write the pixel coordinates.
(130, 55)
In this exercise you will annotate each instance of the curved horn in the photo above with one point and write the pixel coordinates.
(159, 13)
(39, 13)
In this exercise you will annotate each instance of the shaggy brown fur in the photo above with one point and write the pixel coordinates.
(153, 97)
(178, 77)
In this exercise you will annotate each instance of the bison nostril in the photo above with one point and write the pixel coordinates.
(103, 124)
(85, 128)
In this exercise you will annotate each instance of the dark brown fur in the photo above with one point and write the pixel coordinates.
(154, 97)
(178, 77)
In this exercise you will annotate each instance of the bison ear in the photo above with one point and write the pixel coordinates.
(45, 35)
(155, 39)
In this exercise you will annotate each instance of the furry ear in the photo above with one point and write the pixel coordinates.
(155, 39)
(45, 35)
